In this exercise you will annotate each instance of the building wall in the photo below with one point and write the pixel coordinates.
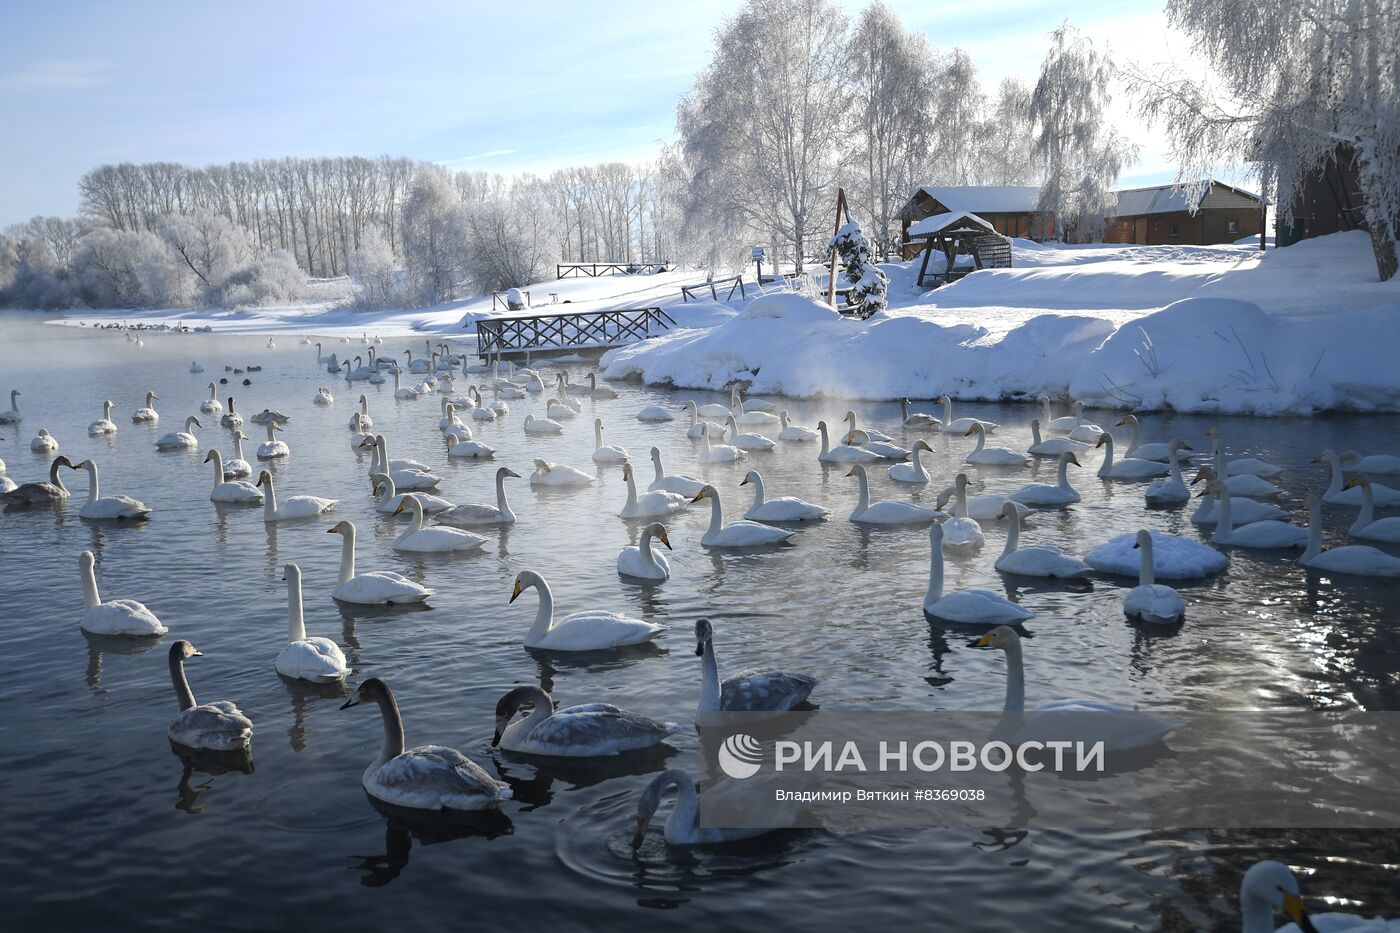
(1206, 227)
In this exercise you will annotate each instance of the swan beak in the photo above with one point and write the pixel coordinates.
(515, 593)
(1200, 495)
(400, 508)
(1103, 439)
(1185, 446)
(744, 481)
(666, 540)
(1293, 907)
(1199, 476)
(501, 723)
(640, 833)
(1121, 423)
(1351, 483)
(349, 703)
(1136, 545)
(331, 531)
(984, 642)
(969, 432)
(197, 653)
(209, 456)
(698, 496)
(366, 443)
(699, 649)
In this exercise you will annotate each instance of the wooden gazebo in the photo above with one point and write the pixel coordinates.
(959, 236)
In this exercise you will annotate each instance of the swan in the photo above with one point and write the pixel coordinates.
(888, 511)
(1170, 490)
(717, 453)
(558, 474)
(1039, 561)
(1366, 524)
(656, 413)
(1336, 494)
(226, 490)
(103, 425)
(449, 420)
(1252, 466)
(12, 416)
(1054, 446)
(461, 445)
(912, 472)
(791, 432)
(961, 530)
(237, 467)
(181, 440)
(479, 513)
(655, 503)
(961, 425)
(872, 434)
(755, 690)
(605, 453)
(100, 507)
(590, 630)
(374, 587)
(1128, 467)
(758, 417)
(217, 727)
(1045, 495)
(389, 498)
(211, 406)
(115, 616)
(682, 483)
(985, 507)
(917, 419)
(697, 425)
(596, 390)
(742, 533)
(991, 456)
(1359, 559)
(1061, 425)
(44, 442)
(231, 419)
(562, 385)
(744, 441)
(479, 411)
(195, 367)
(1151, 602)
(842, 453)
(715, 409)
(433, 778)
(1136, 448)
(318, 660)
(1119, 728)
(294, 507)
(1265, 534)
(1084, 431)
(1240, 484)
(272, 448)
(149, 413)
(1379, 464)
(1270, 886)
(683, 825)
(535, 425)
(640, 561)
(269, 415)
(751, 405)
(589, 731)
(509, 391)
(1245, 510)
(434, 540)
(557, 410)
(882, 449)
(401, 391)
(322, 397)
(966, 607)
(271, 345)
(781, 509)
(54, 492)
(409, 475)
(1174, 557)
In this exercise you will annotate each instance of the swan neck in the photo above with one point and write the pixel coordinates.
(961, 500)
(826, 442)
(759, 493)
(502, 505)
(1334, 484)
(1146, 575)
(91, 598)
(56, 479)
(1368, 509)
(981, 441)
(544, 615)
(1035, 434)
(716, 514)
(709, 678)
(935, 574)
(296, 622)
(1015, 679)
(218, 462)
(656, 465)
(1013, 533)
(393, 731)
(1224, 521)
(863, 499)
(597, 435)
(94, 490)
(631, 491)
(347, 555)
(1062, 474)
(184, 696)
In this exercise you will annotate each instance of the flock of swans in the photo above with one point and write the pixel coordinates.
(1237, 500)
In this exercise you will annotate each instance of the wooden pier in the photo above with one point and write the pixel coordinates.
(569, 332)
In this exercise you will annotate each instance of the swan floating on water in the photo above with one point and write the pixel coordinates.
(272, 448)
(1378, 464)
(917, 419)
(1038, 561)
(842, 453)
(12, 416)
(753, 690)
(535, 425)
(1359, 559)
(1132, 468)
(1270, 886)
(961, 531)
(292, 508)
(1135, 447)
(697, 424)
(1084, 431)
(226, 490)
(790, 432)
(478, 513)
(1241, 466)
(912, 472)
(967, 607)
(237, 467)
(373, 587)
(181, 440)
(640, 561)
(655, 413)
(1265, 534)
(590, 630)
(603, 453)
(883, 449)
(44, 442)
(52, 492)
(1174, 558)
(717, 453)
(992, 456)
(1043, 495)
(1054, 446)
(1062, 425)
(117, 508)
(780, 509)
(1169, 490)
(211, 406)
(744, 440)
(315, 659)
(434, 540)
(682, 483)
(1366, 524)
(1337, 494)
(1151, 602)
(219, 726)
(683, 825)
(1245, 510)
(558, 474)
(985, 507)
(741, 533)
(389, 498)
(148, 413)
(103, 425)
(462, 445)
(887, 511)
(588, 731)
(657, 502)
(871, 434)
(961, 425)
(125, 617)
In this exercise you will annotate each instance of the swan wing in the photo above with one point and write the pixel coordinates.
(764, 689)
(435, 777)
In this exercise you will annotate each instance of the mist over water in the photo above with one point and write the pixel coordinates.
(102, 820)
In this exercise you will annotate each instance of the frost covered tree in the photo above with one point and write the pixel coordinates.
(1080, 154)
(433, 230)
(1300, 84)
(868, 281)
(373, 269)
(1004, 138)
(957, 106)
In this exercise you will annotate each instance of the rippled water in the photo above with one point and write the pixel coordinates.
(102, 822)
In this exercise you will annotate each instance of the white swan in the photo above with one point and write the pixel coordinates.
(985, 507)
(1062, 425)
(432, 778)
(460, 445)
(103, 425)
(323, 397)
(1366, 524)
(741, 533)
(1270, 886)
(211, 406)
(180, 440)
(1039, 561)
(603, 453)
(912, 472)
(230, 419)
(237, 467)
(1359, 559)
(12, 416)
(100, 507)
(781, 509)
(479, 411)
(269, 415)
(1054, 446)
(961, 531)
(1128, 467)
(292, 508)
(1242, 466)
(596, 390)
(219, 726)
(757, 417)
(683, 825)
(1245, 510)
(558, 474)
(1175, 557)
(870, 432)
(272, 448)
(640, 561)
(917, 419)
(1375, 464)
(655, 413)
(1265, 534)
(594, 730)
(44, 442)
(226, 490)
(744, 440)
(558, 410)
(374, 587)
(697, 424)
(590, 630)
(148, 413)
(1170, 490)
(887, 511)
(717, 453)
(1119, 728)
(115, 616)
(315, 659)
(655, 503)
(967, 607)
(682, 483)
(434, 540)
(479, 513)
(842, 453)
(195, 367)
(401, 391)
(992, 456)
(883, 449)
(409, 475)
(1047, 496)
(1337, 494)
(961, 425)
(1136, 448)
(1151, 602)
(791, 432)
(449, 420)
(755, 690)
(1084, 431)
(535, 425)
(715, 409)
(388, 498)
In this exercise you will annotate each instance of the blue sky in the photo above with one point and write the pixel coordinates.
(503, 87)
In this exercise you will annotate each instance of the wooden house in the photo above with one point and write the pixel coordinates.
(1158, 215)
(1009, 209)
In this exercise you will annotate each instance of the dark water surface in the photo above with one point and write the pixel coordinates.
(102, 826)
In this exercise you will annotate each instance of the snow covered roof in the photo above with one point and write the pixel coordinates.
(1163, 199)
(989, 199)
(936, 222)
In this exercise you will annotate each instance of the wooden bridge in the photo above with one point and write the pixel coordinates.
(577, 270)
(563, 333)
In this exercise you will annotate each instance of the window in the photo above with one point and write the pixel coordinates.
(1233, 226)
(1173, 231)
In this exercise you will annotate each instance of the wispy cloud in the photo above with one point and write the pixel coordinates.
(474, 157)
(57, 74)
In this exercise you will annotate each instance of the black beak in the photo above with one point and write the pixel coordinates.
(349, 703)
(699, 651)
(496, 739)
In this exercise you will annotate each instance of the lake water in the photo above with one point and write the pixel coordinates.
(101, 822)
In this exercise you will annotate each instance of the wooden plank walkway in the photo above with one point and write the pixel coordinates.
(562, 333)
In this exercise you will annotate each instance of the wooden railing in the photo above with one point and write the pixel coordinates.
(577, 330)
(713, 286)
(566, 270)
